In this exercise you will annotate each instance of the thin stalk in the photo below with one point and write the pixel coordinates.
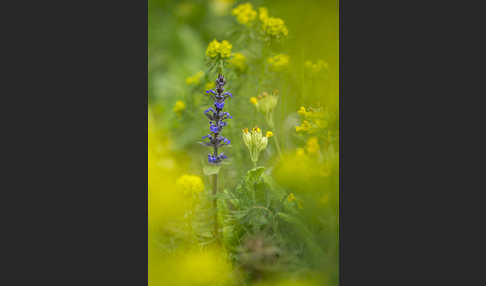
(215, 206)
(278, 146)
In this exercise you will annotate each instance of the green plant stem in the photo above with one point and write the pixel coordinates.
(215, 206)
(278, 146)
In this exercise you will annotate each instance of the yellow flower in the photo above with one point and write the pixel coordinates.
(316, 119)
(209, 85)
(253, 100)
(190, 184)
(279, 62)
(244, 13)
(312, 145)
(274, 27)
(263, 14)
(306, 126)
(216, 49)
(225, 49)
(303, 112)
(269, 134)
(238, 61)
(179, 106)
(291, 197)
(195, 79)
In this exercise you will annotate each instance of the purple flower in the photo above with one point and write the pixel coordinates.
(219, 105)
(214, 128)
(216, 122)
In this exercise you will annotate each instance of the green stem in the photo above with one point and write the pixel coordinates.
(215, 206)
(278, 146)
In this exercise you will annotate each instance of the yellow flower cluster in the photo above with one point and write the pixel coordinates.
(238, 60)
(195, 79)
(179, 106)
(317, 67)
(313, 120)
(262, 14)
(244, 13)
(279, 62)
(274, 27)
(305, 126)
(291, 197)
(215, 49)
(190, 184)
(312, 146)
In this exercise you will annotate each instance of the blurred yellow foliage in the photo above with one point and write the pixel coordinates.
(238, 60)
(179, 106)
(195, 79)
(317, 67)
(312, 145)
(209, 85)
(190, 184)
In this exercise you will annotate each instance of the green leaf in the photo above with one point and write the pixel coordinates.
(254, 175)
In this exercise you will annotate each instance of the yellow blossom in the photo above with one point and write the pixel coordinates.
(269, 134)
(253, 100)
(195, 79)
(291, 197)
(263, 14)
(274, 27)
(279, 62)
(244, 13)
(315, 119)
(238, 61)
(190, 184)
(306, 126)
(179, 106)
(216, 49)
(301, 110)
(312, 145)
